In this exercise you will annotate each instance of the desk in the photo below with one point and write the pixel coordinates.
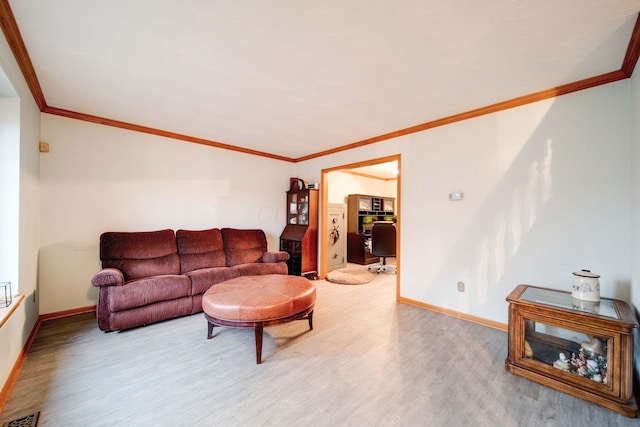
(358, 249)
(596, 340)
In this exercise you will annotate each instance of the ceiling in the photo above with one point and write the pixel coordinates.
(297, 78)
(385, 171)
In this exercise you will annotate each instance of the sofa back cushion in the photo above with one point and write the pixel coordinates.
(243, 246)
(140, 254)
(200, 249)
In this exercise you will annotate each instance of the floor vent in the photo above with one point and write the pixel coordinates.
(26, 421)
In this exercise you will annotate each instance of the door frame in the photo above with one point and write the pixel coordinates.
(324, 203)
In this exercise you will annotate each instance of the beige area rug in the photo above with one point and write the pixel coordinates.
(350, 276)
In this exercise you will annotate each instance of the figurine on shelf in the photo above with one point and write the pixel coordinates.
(593, 347)
(528, 352)
(593, 370)
(578, 363)
(602, 366)
(562, 362)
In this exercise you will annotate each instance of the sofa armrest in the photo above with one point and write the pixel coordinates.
(279, 256)
(108, 277)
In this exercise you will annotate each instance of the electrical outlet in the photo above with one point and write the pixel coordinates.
(460, 286)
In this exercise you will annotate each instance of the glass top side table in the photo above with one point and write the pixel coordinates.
(578, 347)
(605, 307)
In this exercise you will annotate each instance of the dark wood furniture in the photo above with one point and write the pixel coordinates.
(596, 340)
(300, 236)
(358, 249)
(362, 211)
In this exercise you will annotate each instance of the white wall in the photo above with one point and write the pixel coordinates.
(25, 208)
(635, 195)
(9, 190)
(99, 178)
(546, 191)
(342, 184)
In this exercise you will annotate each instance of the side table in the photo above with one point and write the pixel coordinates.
(578, 347)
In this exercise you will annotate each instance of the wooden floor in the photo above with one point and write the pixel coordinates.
(368, 362)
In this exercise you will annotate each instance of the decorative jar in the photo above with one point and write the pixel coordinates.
(586, 286)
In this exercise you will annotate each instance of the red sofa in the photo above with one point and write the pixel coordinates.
(151, 276)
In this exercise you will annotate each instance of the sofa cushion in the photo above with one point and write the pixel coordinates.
(204, 278)
(146, 314)
(140, 254)
(243, 246)
(200, 249)
(260, 268)
(148, 290)
(280, 256)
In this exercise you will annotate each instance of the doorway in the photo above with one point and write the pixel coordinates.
(385, 170)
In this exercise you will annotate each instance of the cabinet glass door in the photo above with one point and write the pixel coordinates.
(364, 204)
(567, 350)
(292, 209)
(303, 209)
(298, 209)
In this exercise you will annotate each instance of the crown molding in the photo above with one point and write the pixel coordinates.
(158, 132)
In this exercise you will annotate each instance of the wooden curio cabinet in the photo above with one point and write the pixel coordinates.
(578, 347)
(300, 235)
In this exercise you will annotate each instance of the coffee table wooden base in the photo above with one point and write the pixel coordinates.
(257, 326)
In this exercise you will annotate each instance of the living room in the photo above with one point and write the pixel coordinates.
(550, 187)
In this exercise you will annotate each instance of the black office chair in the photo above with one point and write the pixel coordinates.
(383, 244)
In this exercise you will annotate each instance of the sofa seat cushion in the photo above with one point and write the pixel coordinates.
(260, 268)
(243, 246)
(139, 292)
(203, 279)
(126, 319)
(200, 249)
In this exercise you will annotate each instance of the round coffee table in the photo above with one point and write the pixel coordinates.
(258, 301)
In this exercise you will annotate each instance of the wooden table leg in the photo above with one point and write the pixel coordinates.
(258, 330)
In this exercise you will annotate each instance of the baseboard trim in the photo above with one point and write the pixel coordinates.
(67, 313)
(457, 314)
(17, 367)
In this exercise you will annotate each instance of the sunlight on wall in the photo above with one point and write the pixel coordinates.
(510, 225)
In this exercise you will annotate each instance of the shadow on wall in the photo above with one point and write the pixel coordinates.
(64, 268)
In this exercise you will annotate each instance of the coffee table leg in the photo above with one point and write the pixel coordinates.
(259, 329)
